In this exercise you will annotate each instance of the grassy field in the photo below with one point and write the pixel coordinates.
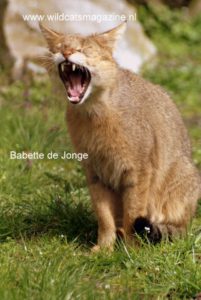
(46, 222)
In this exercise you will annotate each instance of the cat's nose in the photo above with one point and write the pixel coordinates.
(67, 52)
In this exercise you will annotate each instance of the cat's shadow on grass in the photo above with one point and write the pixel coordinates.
(75, 221)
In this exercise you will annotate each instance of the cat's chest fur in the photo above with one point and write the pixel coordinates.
(103, 140)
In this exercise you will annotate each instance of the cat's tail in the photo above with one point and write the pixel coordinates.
(154, 233)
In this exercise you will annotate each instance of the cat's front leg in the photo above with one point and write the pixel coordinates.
(134, 198)
(103, 200)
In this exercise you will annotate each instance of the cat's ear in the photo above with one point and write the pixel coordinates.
(111, 36)
(50, 35)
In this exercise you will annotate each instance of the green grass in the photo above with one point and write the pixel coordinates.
(46, 223)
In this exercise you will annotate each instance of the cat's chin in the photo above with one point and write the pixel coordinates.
(76, 80)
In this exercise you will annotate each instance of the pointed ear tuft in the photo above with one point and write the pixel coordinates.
(50, 35)
(112, 36)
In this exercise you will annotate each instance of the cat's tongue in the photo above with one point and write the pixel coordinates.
(75, 88)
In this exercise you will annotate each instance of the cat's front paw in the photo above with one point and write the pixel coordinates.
(95, 248)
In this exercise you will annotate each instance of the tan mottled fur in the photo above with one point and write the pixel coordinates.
(139, 152)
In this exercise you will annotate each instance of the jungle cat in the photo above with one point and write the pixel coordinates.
(139, 170)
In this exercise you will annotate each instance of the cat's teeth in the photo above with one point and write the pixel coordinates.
(73, 67)
(62, 68)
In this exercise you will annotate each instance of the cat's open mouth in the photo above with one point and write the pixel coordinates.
(76, 79)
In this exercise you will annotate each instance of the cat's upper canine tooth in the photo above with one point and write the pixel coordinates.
(73, 67)
(62, 68)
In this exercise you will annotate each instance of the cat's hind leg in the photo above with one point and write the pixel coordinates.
(173, 207)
